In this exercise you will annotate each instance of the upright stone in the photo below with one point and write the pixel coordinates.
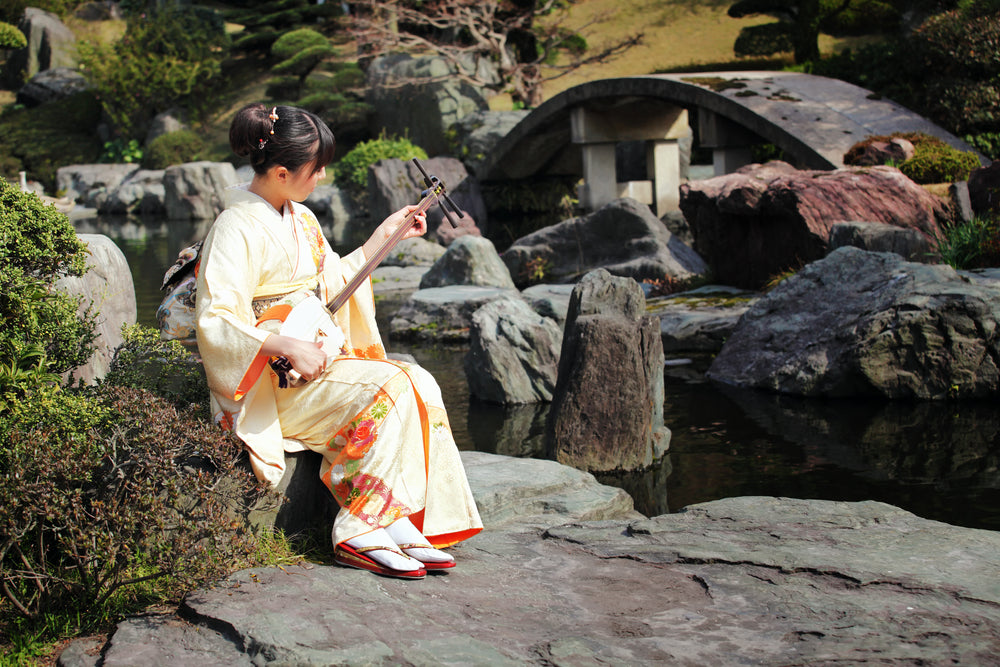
(194, 191)
(107, 288)
(393, 183)
(607, 407)
(50, 44)
(422, 97)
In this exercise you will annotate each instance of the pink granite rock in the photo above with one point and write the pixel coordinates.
(765, 219)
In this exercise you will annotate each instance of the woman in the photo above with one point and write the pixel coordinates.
(388, 455)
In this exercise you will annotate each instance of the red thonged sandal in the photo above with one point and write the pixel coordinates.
(432, 565)
(349, 556)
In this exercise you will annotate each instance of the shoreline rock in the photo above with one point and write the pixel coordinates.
(740, 581)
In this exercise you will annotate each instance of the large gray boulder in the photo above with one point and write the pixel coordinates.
(330, 203)
(607, 407)
(50, 44)
(469, 260)
(513, 353)
(402, 270)
(414, 252)
(443, 314)
(623, 237)
(51, 85)
(107, 290)
(859, 323)
(140, 193)
(984, 190)
(478, 132)
(91, 184)
(420, 98)
(550, 301)
(735, 582)
(194, 190)
(909, 244)
(393, 184)
(165, 122)
(763, 220)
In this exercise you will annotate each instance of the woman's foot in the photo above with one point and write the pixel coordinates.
(378, 546)
(413, 543)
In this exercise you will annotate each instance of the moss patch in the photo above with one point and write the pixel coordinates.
(716, 83)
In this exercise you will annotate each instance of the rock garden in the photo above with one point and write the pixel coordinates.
(772, 282)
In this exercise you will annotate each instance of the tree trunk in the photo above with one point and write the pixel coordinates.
(805, 36)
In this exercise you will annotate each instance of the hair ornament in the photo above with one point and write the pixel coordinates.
(274, 117)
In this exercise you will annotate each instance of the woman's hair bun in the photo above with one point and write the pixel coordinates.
(250, 125)
(281, 135)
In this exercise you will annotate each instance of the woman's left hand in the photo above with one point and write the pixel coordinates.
(385, 230)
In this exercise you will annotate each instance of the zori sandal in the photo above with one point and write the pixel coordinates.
(349, 556)
(428, 565)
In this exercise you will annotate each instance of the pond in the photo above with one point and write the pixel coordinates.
(939, 460)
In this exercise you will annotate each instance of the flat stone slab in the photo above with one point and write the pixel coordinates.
(741, 581)
(443, 313)
(699, 320)
(387, 279)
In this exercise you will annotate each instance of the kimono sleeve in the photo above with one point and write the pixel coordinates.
(230, 269)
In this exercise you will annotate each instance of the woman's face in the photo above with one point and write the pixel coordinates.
(302, 182)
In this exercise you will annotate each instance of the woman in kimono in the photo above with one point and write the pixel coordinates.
(388, 454)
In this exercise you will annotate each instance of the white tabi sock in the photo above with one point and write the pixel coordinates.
(404, 532)
(380, 538)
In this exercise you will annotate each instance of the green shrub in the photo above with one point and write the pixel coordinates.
(172, 148)
(933, 160)
(166, 368)
(971, 245)
(167, 57)
(265, 21)
(347, 76)
(948, 70)
(932, 163)
(12, 11)
(987, 143)
(298, 52)
(352, 169)
(119, 150)
(104, 491)
(42, 139)
(11, 37)
(38, 245)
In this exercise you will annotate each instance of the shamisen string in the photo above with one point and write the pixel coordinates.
(429, 198)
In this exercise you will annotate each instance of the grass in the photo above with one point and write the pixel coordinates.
(678, 36)
(38, 642)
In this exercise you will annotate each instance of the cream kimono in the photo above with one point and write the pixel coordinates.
(380, 424)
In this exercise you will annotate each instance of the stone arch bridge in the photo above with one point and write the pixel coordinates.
(579, 132)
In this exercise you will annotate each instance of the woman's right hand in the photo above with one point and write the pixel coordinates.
(307, 357)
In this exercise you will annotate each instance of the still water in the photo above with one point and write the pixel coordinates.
(938, 460)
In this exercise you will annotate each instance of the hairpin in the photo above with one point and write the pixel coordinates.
(274, 117)
(260, 147)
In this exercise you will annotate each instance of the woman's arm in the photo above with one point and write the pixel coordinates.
(389, 225)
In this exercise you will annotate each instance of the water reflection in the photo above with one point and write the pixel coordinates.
(938, 460)
(150, 246)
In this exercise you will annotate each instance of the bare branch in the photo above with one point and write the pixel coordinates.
(465, 32)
